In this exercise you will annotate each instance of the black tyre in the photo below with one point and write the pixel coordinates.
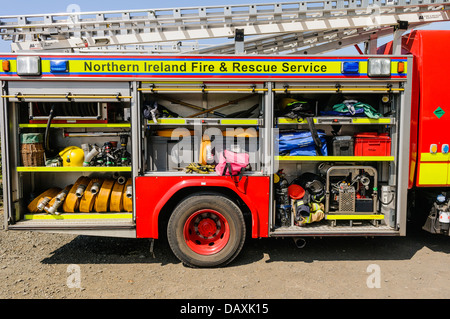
(206, 231)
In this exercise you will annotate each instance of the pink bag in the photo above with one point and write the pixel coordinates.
(231, 163)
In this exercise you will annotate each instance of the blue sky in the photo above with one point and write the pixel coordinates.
(24, 7)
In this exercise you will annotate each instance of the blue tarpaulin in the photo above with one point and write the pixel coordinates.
(300, 143)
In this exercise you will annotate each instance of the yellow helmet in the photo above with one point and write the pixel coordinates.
(72, 156)
(285, 101)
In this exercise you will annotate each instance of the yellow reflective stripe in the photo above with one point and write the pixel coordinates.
(384, 120)
(168, 121)
(239, 122)
(80, 125)
(437, 157)
(379, 216)
(334, 89)
(293, 121)
(78, 216)
(66, 97)
(372, 121)
(336, 158)
(204, 89)
(73, 169)
(433, 173)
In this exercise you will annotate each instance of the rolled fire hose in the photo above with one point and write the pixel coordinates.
(57, 201)
(95, 187)
(121, 180)
(72, 202)
(127, 196)
(89, 196)
(50, 193)
(102, 200)
(116, 202)
(43, 203)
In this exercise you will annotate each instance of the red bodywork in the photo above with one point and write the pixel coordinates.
(430, 91)
(153, 192)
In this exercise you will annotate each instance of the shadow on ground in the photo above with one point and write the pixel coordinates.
(99, 250)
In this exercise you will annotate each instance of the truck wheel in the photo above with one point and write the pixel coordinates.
(206, 231)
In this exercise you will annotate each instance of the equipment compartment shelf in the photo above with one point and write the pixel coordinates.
(325, 229)
(339, 121)
(22, 169)
(206, 121)
(335, 158)
(78, 125)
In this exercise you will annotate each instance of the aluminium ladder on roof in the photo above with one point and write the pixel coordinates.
(304, 43)
(71, 31)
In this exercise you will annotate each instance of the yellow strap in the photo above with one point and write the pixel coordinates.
(72, 202)
(88, 199)
(116, 203)
(52, 192)
(127, 201)
(102, 200)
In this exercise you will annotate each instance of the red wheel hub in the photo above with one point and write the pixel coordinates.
(207, 228)
(206, 232)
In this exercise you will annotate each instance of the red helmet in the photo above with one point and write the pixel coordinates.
(296, 191)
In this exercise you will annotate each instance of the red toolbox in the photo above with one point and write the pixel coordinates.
(372, 144)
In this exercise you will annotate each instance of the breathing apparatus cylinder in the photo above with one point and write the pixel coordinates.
(282, 198)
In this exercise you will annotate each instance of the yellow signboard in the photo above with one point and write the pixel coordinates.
(206, 66)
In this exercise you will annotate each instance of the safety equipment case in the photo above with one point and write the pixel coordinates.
(343, 146)
(372, 144)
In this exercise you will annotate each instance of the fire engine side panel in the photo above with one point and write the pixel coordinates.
(434, 110)
(411, 45)
(153, 192)
(5, 163)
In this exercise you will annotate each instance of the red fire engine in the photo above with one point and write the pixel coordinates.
(211, 146)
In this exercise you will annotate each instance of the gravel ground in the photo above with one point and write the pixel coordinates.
(57, 266)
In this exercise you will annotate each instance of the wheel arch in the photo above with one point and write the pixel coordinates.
(156, 197)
